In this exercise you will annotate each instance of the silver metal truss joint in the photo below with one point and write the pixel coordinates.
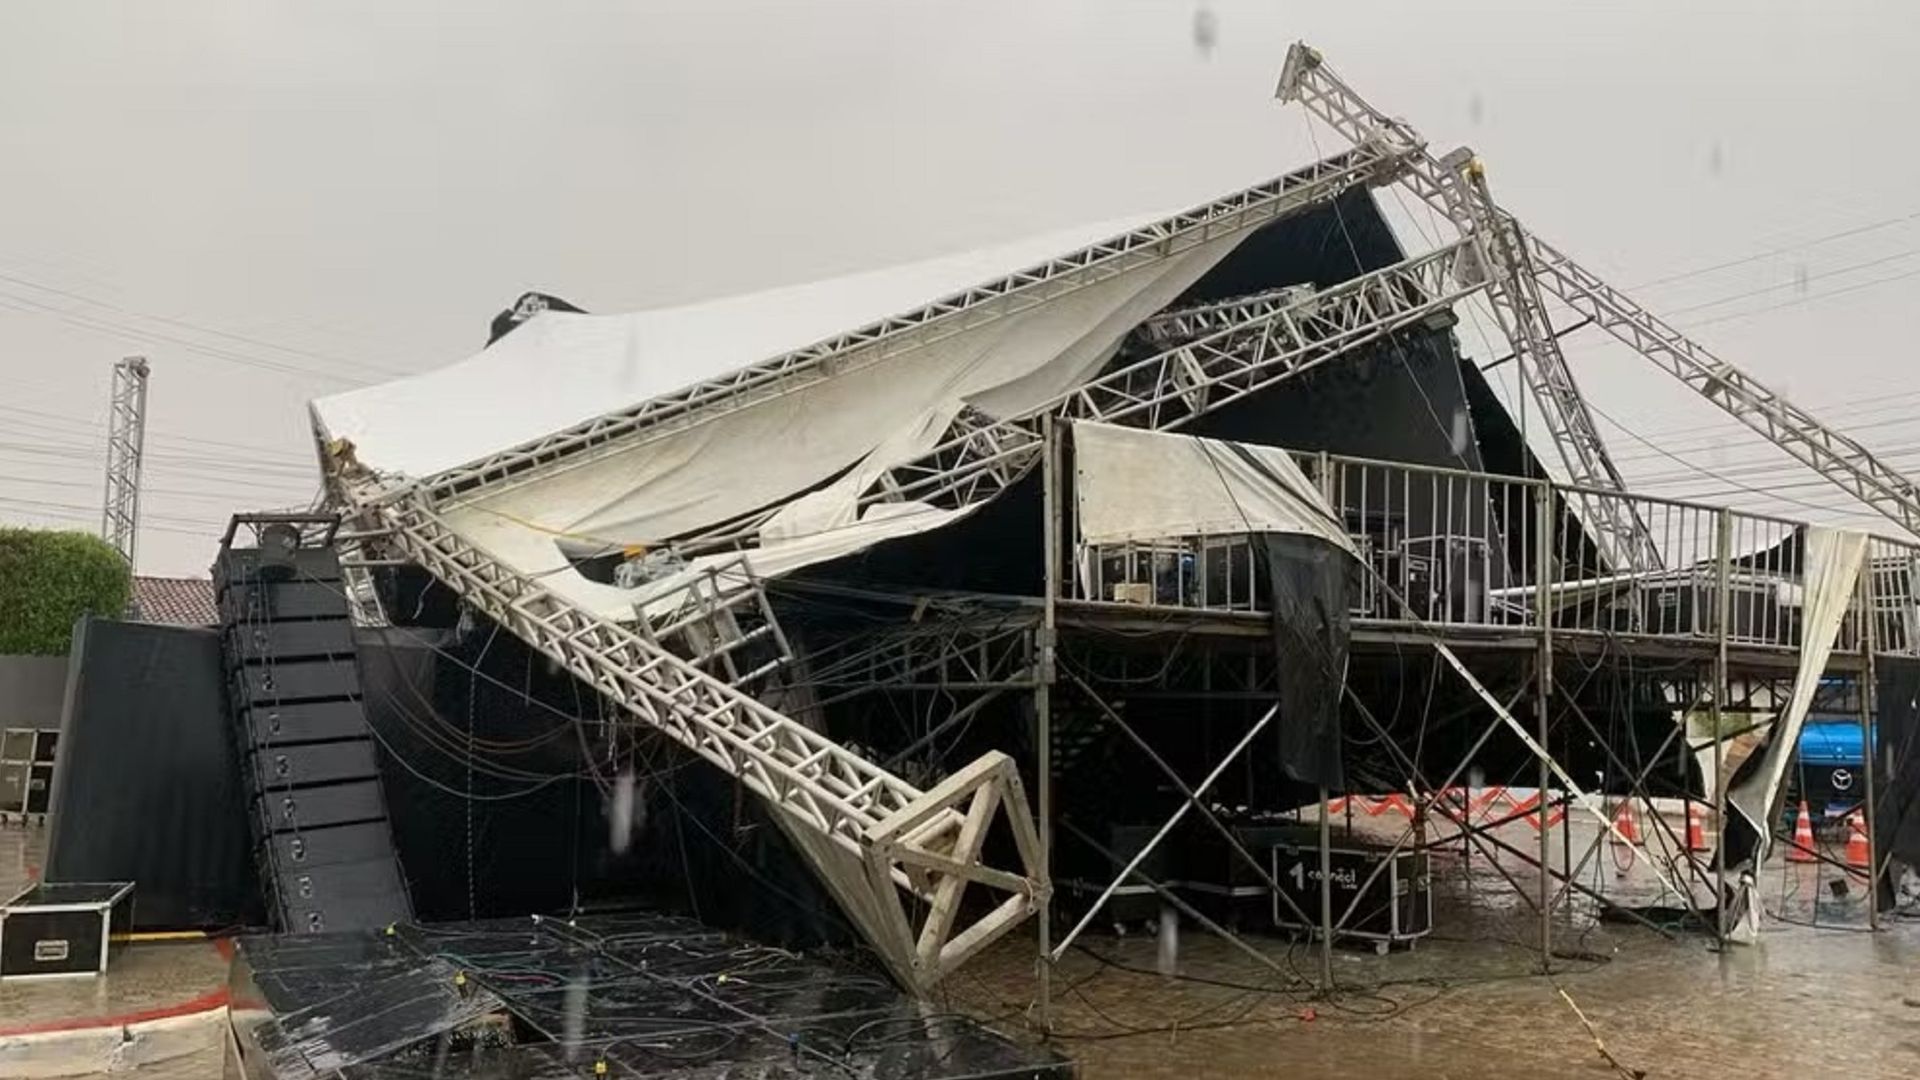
(1238, 348)
(868, 833)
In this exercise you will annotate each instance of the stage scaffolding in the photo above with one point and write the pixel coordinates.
(1490, 579)
(1501, 585)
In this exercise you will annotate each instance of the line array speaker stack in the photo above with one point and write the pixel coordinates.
(321, 838)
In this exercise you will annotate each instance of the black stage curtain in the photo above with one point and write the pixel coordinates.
(1311, 629)
(146, 788)
(1897, 780)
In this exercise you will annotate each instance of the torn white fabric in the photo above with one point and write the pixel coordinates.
(1830, 575)
(559, 369)
(1131, 484)
(537, 553)
(745, 459)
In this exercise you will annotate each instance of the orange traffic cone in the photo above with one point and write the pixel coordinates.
(1859, 851)
(1802, 849)
(1625, 830)
(1696, 827)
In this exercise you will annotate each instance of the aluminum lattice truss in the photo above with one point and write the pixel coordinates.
(126, 442)
(1370, 163)
(875, 840)
(1243, 347)
(884, 848)
(887, 850)
(1457, 189)
(961, 654)
(1517, 253)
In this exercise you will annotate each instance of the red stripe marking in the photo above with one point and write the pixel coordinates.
(212, 999)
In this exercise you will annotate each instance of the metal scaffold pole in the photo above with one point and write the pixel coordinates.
(1722, 610)
(1870, 755)
(1326, 894)
(1043, 701)
(1543, 696)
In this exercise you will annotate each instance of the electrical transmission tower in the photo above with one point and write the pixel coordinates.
(126, 438)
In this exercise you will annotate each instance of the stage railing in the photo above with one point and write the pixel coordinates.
(1462, 549)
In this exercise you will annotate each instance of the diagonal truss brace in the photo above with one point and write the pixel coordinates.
(1837, 457)
(961, 654)
(1456, 187)
(1374, 162)
(1259, 341)
(884, 848)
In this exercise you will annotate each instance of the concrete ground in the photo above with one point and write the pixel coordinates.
(1465, 1002)
(1468, 1002)
(159, 1012)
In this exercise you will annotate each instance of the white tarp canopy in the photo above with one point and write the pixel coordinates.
(1144, 485)
(811, 452)
(559, 369)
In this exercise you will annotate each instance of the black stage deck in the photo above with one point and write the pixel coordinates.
(650, 995)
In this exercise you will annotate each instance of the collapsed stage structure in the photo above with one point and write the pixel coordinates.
(1100, 512)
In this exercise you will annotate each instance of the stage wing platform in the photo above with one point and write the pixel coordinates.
(648, 995)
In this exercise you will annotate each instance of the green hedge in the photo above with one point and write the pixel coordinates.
(48, 580)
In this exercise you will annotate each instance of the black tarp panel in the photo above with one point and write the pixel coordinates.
(1897, 764)
(1308, 589)
(527, 828)
(1503, 451)
(147, 789)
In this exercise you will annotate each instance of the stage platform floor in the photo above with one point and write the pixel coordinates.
(649, 995)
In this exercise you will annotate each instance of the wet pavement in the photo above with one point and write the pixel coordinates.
(1465, 1002)
(158, 1012)
(1468, 1001)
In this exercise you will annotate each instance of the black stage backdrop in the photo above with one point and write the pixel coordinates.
(146, 788)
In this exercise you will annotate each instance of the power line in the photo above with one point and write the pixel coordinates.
(89, 428)
(91, 515)
(1777, 286)
(146, 337)
(1749, 470)
(1808, 299)
(195, 327)
(1781, 250)
(1736, 485)
(1735, 427)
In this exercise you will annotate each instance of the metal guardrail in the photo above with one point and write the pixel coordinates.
(1456, 548)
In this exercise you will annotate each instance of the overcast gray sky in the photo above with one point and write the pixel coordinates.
(275, 201)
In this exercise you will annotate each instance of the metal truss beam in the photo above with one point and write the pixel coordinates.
(1185, 324)
(1375, 162)
(1456, 187)
(956, 655)
(1276, 336)
(126, 441)
(871, 836)
(1837, 457)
